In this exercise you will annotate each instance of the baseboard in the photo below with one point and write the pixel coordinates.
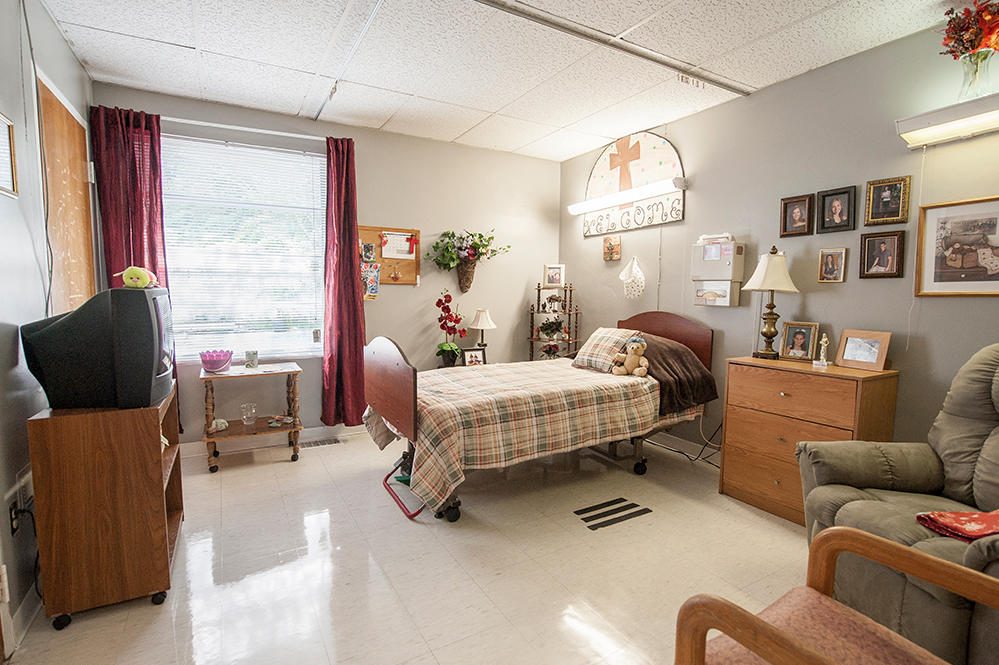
(197, 448)
(23, 617)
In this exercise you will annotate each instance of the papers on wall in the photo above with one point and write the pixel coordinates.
(398, 246)
(370, 279)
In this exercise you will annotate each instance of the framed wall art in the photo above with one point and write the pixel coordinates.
(888, 201)
(554, 276)
(799, 340)
(8, 164)
(882, 254)
(835, 210)
(832, 265)
(612, 248)
(863, 349)
(796, 216)
(957, 251)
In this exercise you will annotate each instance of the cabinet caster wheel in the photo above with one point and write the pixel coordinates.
(215, 453)
(61, 621)
(159, 597)
(213, 468)
(640, 468)
(294, 457)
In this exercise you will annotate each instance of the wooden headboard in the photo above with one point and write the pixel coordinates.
(693, 335)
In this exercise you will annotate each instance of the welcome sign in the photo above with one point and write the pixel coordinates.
(633, 161)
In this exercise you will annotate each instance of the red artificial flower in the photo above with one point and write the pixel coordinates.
(450, 317)
(440, 319)
(462, 332)
(447, 297)
(471, 252)
(444, 327)
(440, 303)
(446, 309)
(452, 330)
(457, 320)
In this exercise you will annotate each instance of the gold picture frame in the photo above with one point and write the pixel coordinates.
(957, 247)
(8, 161)
(863, 349)
(808, 330)
(888, 201)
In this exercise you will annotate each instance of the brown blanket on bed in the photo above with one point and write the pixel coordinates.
(683, 380)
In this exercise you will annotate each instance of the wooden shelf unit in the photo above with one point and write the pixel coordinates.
(567, 310)
(108, 502)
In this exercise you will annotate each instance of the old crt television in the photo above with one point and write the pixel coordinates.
(115, 350)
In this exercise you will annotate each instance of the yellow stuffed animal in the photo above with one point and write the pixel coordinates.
(633, 362)
(136, 277)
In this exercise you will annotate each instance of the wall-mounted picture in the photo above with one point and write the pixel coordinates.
(470, 357)
(888, 201)
(612, 248)
(8, 164)
(863, 349)
(832, 264)
(796, 216)
(882, 254)
(957, 253)
(370, 280)
(554, 275)
(836, 210)
(368, 252)
(798, 340)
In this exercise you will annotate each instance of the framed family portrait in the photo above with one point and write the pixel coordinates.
(888, 201)
(554, 275)
(957, 252)
(832, 265)
(476, 356)
(799, 340)
(882, 254)
(796, 216)
(863, 349)
(836, 210)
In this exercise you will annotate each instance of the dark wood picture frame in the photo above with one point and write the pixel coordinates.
(878, 211)
(787, 206)
(949, 260)
(897, 264)
(475, 353)
(823, 222)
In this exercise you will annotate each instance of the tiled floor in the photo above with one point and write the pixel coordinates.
(311, 563)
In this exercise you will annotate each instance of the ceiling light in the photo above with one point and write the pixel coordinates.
(629, 196)
(958, 121)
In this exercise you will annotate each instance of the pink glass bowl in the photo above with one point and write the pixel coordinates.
(216, 361)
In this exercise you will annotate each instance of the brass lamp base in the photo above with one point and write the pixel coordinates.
(769, 331)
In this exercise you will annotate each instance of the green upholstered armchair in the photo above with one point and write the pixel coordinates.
(880, 487)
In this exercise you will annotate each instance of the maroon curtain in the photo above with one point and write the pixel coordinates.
(126, 151)
(343, 320)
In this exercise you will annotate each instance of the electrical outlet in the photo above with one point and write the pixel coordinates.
(13, 517)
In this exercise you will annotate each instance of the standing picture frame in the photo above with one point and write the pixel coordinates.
(888, 201)
(796, 216)
(553, 276)
(798, 340)
(882, 254)
(835, 210)
(863, 349)
(474, 356)
(957, 249)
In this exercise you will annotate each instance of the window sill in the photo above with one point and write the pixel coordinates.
(187, 362)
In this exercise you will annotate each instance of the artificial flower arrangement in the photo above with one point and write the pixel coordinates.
(463, 251)
(550, 350)
(449, 320)
(551, 327)
(972, 31)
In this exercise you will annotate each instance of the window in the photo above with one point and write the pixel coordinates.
(245, 232)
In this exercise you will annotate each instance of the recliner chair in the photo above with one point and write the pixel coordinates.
(880, 487)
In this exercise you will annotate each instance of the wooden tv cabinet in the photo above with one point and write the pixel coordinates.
(108, 504)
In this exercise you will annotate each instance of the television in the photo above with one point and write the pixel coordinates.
(113, 351)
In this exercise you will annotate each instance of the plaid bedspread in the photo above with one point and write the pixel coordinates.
(493, 416)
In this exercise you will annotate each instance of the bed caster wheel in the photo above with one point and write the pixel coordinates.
(452, 513)
(215, 453)
(213, 468)
(61, 621)
(158, 598)
(640, 468)
(294, 457)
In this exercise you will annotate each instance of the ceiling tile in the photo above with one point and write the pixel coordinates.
(134, 62)
(602, 78)
(695, 31)
(244, 83)
(433, 120)
(167, 21)
(852, 26)
(362, 105)
(287, 34)
(500, 132)
(610, 17)
(563, 144)
(347, 32)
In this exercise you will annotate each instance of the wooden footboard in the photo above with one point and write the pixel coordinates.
(390, 385)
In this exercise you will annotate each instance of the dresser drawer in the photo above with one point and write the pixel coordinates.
(772, 435)
(769, 484)
(812, 397)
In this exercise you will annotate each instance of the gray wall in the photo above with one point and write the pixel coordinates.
(22, 257)
(828, 128)
(402, 181)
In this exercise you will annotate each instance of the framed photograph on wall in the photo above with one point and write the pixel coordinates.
(8, 164)
(863, 349)
(957, 252)
(796, 216)
(612, 248)
(836, 210)
(554, 276)
(470, 357)
(799, 340)
(832, 265)
(888, 201)
(882, 254)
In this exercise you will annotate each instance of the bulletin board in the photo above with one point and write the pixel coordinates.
(397, 257)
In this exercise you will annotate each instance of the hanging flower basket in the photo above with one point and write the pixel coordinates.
(466, 272)
(463, 251)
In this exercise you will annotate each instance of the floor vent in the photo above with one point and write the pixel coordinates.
(318, 443)
(610, 513)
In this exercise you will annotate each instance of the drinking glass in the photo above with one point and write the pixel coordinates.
(249, 411)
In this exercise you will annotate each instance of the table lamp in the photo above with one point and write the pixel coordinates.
(482, 322)
(771, 275)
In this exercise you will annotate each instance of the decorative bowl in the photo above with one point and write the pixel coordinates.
(216, 361)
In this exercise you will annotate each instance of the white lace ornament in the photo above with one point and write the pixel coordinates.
(633, 278)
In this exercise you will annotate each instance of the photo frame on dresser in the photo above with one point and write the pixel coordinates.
(863, 349)
(798, 340)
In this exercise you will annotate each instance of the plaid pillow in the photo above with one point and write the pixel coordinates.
(599, 350)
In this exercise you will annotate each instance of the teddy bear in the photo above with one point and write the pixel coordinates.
(633, 362)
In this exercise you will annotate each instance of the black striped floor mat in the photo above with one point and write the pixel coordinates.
(609, 513)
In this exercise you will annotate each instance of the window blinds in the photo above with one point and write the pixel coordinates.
(245, 230)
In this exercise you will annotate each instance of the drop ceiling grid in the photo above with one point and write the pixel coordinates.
(163, 22)
(611, 18)
(431, 119)
(362, 105)
(500, 132)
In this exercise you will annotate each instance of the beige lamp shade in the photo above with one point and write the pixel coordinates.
(481, 320)
(771, 275)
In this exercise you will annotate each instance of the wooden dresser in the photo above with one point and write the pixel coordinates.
(771, 405)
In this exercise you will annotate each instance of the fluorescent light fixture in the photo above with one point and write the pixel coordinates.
(629, 196)
(958, 121)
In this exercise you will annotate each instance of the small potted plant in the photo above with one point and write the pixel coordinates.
(463, 251)
(449, 320)
(551, 328)
(550, 350)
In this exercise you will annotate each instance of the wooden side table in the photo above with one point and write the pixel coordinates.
(237, 428)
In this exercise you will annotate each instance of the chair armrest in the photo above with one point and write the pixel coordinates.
(982, 553)
(702, 613)
(832, 542)
(908, 467)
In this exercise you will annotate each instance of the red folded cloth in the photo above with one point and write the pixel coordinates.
(966, 526)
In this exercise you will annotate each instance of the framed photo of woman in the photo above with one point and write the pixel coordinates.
(836, 210)
(832, 265)
(882, 254)
(799, 340)
(796, 216)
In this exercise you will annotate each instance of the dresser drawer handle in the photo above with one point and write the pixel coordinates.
(776, 482)
(783, 394)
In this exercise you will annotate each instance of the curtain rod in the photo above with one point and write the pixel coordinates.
(239, 128)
